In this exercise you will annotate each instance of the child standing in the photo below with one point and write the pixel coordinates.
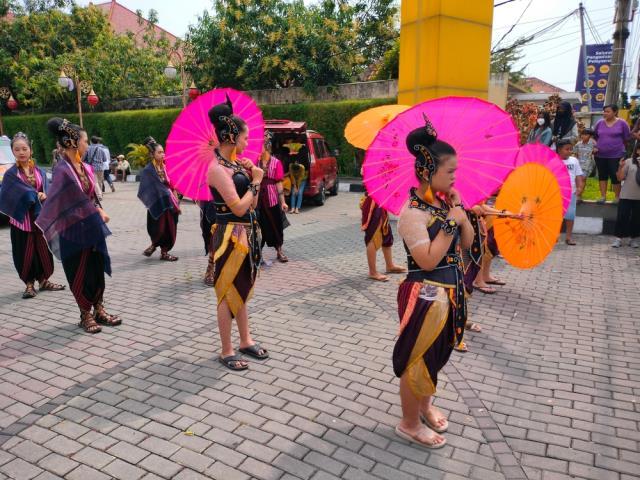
(583, 150)
(564, 149)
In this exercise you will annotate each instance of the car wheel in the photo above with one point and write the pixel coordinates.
(321, 196)
(334, 190)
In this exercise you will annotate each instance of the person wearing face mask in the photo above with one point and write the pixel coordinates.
(159, 197)
(74, 224)
(24, 191)
(541, 133)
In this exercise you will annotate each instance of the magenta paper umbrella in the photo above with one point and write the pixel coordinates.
(191, 141)
(539, 153)
(483, 135)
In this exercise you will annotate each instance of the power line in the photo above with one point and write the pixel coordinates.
(546, 19)
(542, 31)
(515, 24)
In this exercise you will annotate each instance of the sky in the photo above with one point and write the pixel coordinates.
(552, 57)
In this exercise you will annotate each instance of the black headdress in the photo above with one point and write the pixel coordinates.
(66, 133)
(151, 144)
(221, 116)
(419, 143)
(268, 140)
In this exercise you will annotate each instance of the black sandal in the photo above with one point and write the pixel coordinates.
(234, 362)
(255, 351)
(167, 257)
(88, 323)
(50, 286)
(29, 292)
(103, 318)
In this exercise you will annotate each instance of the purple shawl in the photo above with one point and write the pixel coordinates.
(70, 220)
(154, 193)
(18, 197)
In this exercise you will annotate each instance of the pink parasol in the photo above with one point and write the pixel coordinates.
(483, 135)
(191, 141)
(539, 153)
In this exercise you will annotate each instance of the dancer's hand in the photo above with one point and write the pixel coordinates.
(257, 174)
(103, 215)
(42, 196)
(246, 163)
(453, 197)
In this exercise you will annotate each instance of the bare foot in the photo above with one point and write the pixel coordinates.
(379, 277)
(396, 269)
(421, 435)
(435, 419)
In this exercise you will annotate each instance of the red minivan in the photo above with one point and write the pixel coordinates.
(320, 162)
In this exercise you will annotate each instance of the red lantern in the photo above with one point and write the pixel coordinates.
(92, 98)
(193, 91)
(12, 103)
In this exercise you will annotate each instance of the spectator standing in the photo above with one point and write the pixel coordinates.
(564, 149)
(583, 151)
(565, 126)
(628, 221)
(542, 131)
(611, 134)
(95, 157)
(106, 170)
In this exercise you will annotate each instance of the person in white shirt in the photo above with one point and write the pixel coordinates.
(564, 148)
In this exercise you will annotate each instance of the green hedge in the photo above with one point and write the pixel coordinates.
(118, 129)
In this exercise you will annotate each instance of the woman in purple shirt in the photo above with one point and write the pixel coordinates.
(611, 134)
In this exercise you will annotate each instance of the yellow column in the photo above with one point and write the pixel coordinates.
(444, 49)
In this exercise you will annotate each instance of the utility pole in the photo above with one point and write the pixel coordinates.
(620, 35)
(584, 58)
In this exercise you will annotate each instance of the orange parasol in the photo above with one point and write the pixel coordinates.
(533, 193)
(362, 129)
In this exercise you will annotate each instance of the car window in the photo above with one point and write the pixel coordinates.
(318, 148)
(328, 149)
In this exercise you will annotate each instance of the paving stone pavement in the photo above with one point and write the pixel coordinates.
(547, 392)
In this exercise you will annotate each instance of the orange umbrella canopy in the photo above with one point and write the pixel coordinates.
(363, 128)
(533, 192)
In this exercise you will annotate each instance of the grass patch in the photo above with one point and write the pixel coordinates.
(592, 191)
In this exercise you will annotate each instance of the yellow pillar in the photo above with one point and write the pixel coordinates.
(444, 49)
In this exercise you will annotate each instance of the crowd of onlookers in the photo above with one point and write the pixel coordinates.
(609, 150)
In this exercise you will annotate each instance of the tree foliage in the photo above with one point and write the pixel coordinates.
(37, 44)
(503, 60)
(252, 44)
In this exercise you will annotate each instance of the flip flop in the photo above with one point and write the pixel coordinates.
(382, 278)
(571, 243)
(232, 362)
(495, 282)
(485, 290)
(473, 327)
(397, 270)
(442, 429)
(254, 351)
(412, 439)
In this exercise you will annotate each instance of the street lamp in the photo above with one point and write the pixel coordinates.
(12, 104)
(81, 86)
(171, 72)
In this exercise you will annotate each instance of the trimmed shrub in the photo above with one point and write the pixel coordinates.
(119, 129)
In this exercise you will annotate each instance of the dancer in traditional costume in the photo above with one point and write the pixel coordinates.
(377, 235)
(24, 190)
(74, 224)
(271, 201)
(431, 301)
(236, 241)
(160, 199)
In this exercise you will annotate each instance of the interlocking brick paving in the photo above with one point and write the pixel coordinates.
(548, 390)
